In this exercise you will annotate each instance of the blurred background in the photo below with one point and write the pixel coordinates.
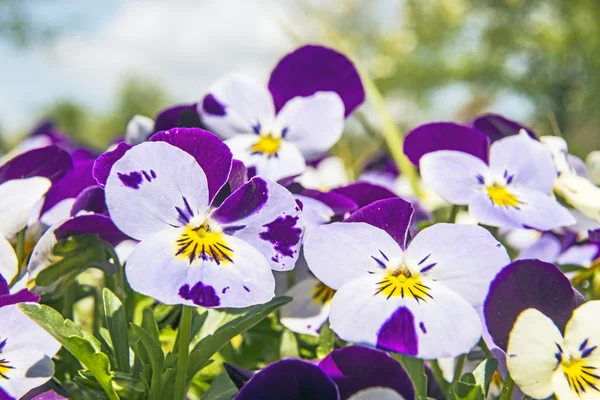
(92, 65)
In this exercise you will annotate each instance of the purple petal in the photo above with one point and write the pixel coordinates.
(364, 193)
(594, 236)
(211, 106)
(22, 296)
(242, 203)
(105, 162)
(497, 127)
(71, 185)
(238, 175)
(391, 215)
(49, 395)
(445, 136)
(290, 379)
(339, 203)
(311, 69)
(98, 224)
(356, 368)
(209, 151)
(91, 199)
(179, 116)
(49, 162)
(528, 284)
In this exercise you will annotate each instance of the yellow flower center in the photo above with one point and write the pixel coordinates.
(501, 197)
(401, 282)
(5, 367)
(322, 294)
(580, 376)
(201, 242)
(267, 144)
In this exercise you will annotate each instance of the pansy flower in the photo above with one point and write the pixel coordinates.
(405, 298)
(513, 189)
(298, 118)
(160, 193)
(140, 127)
(324, 174)
(543, 361)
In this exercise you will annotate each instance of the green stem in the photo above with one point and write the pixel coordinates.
(184, 336)
(439, 375)
(68, 300)
(20, 250)
(453, 213)
(507, 389)
(486, 349)
(120, 280)
(460, 363)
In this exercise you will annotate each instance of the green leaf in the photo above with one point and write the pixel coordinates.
(221, 388)
(155, 354)
(80, 344)
(116, 323)
(483, 374)
(416, 370)
(571, 268)
(467, 389)
(125, 382)
(211, 344)
(289, 345)
(326, 341)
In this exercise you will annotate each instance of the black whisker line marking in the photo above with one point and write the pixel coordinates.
(424, 259)
(187, 206)
(383, 255)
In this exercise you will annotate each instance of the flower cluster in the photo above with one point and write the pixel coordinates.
(166, 254)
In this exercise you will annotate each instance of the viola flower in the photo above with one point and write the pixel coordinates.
(402, 298)
(140, 128)
(191, 252)
(26, 352)
(297, 119)
(543, 362)
(512, 190)
(324, 174)
(496, 127)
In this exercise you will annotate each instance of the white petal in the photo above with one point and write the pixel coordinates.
(139, 129)
(42, 255)
(328, 174)
(376, 393)
(483, 210)
(453, 174)
(342, 252)
(531, 352)
(527, 160)
(547, 248)
(313, 123)
(59, 212)
(539, 211)
(580, 193)
(464, 258)
(8, 261)
(304, 314)
(17, 200)
(314, 212)
(154, 270)
(582, 255)
(584, 325)
(148, 185)
(246, 104)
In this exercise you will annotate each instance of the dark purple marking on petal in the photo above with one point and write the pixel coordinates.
(230, 230)
(422, 326)
(104, 163)
(379, 262)
(209, 151)
(211, 105)
(244, 202)
(290, 379)
(98, 224)
(364, 193)
(71, 185)
(445, 136)
(428, 267)
(179, 116)
(356, 368)
(497, 127)
(424, 259)
(201, 294)
(299, 205)
(91, 199)
(283, 234)
(246, 288)
(339, 203)
(391, 215)
(480, 179)
(225, 289)
(398, 333)
(22, 296)
(527, 284)
(312, 69)
(132, 180)
(4, 288)
(49, 162)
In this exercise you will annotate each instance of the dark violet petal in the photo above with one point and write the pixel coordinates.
(98, 224)
(71, 185)
(49, 162)
(399, 334)
(209, 151)
(311, 69)
(211, 105)
(5, 396)
(355, 368)
(105, 162)
(179, 116)
(4, 289)
(43, 127)
(497, 127)
(364, 193)
(49, 395)
(200, 294)
(594, 236)
(384, 164)
(90, 199)
(238, 175)
(528, 284)
(289, 379)
(239, 376)
(391, 215)
(445, 136)
(22, 296)
(339, 203)
(245, 201)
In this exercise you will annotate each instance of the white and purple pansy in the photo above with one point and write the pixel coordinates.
(191, 252)
(298, 118)
(402, 298)
(140, 127)
(513, 189)
(496, 127)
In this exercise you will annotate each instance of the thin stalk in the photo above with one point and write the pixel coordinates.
(507, 389)
(68, 300)
(120, 280)
(439, 375)
(486, 349)
(453, 213)
(460, 363)
(20, 250)
(184, 336)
